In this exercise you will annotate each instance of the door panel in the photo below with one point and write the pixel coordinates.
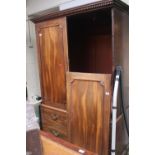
(89, 110)
(53, 63)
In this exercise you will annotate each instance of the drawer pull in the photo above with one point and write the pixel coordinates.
(55, 133)
(54, 117)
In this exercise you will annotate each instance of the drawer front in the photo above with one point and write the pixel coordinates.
(55, 132)
(54, 119)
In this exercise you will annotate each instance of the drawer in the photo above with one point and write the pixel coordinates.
(55, 119)
(55, 132)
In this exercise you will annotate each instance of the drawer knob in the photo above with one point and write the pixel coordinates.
(54, 117)
(55, 133)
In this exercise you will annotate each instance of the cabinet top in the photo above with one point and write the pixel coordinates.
(103, 4)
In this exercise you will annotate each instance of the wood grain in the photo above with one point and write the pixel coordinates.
(120, 38)
(54, 120)
(89, 110)
(52, 48)
(54, 146)
(55, 132)
(87, 118)
(57, 107)
(93, 46)
(120, 31)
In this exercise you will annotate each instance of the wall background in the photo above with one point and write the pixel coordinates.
(32, 71)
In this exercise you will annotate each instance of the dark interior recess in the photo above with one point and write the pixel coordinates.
(89, 41)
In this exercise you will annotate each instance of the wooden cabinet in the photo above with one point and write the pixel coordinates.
(78, 50)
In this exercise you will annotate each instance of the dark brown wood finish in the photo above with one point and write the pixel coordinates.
(52, 47)
(120, 28)
(33, 142)
(88, 97)
(101, 5)
(98, 41)
(93, 46)
(120, 40)
(121, 136)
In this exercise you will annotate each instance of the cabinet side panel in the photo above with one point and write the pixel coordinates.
(120, 40)
(121, 47)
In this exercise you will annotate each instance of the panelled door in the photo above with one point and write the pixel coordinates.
(52, 47)
(89, 97)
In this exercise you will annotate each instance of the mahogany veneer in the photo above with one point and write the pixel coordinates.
(78, 50)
